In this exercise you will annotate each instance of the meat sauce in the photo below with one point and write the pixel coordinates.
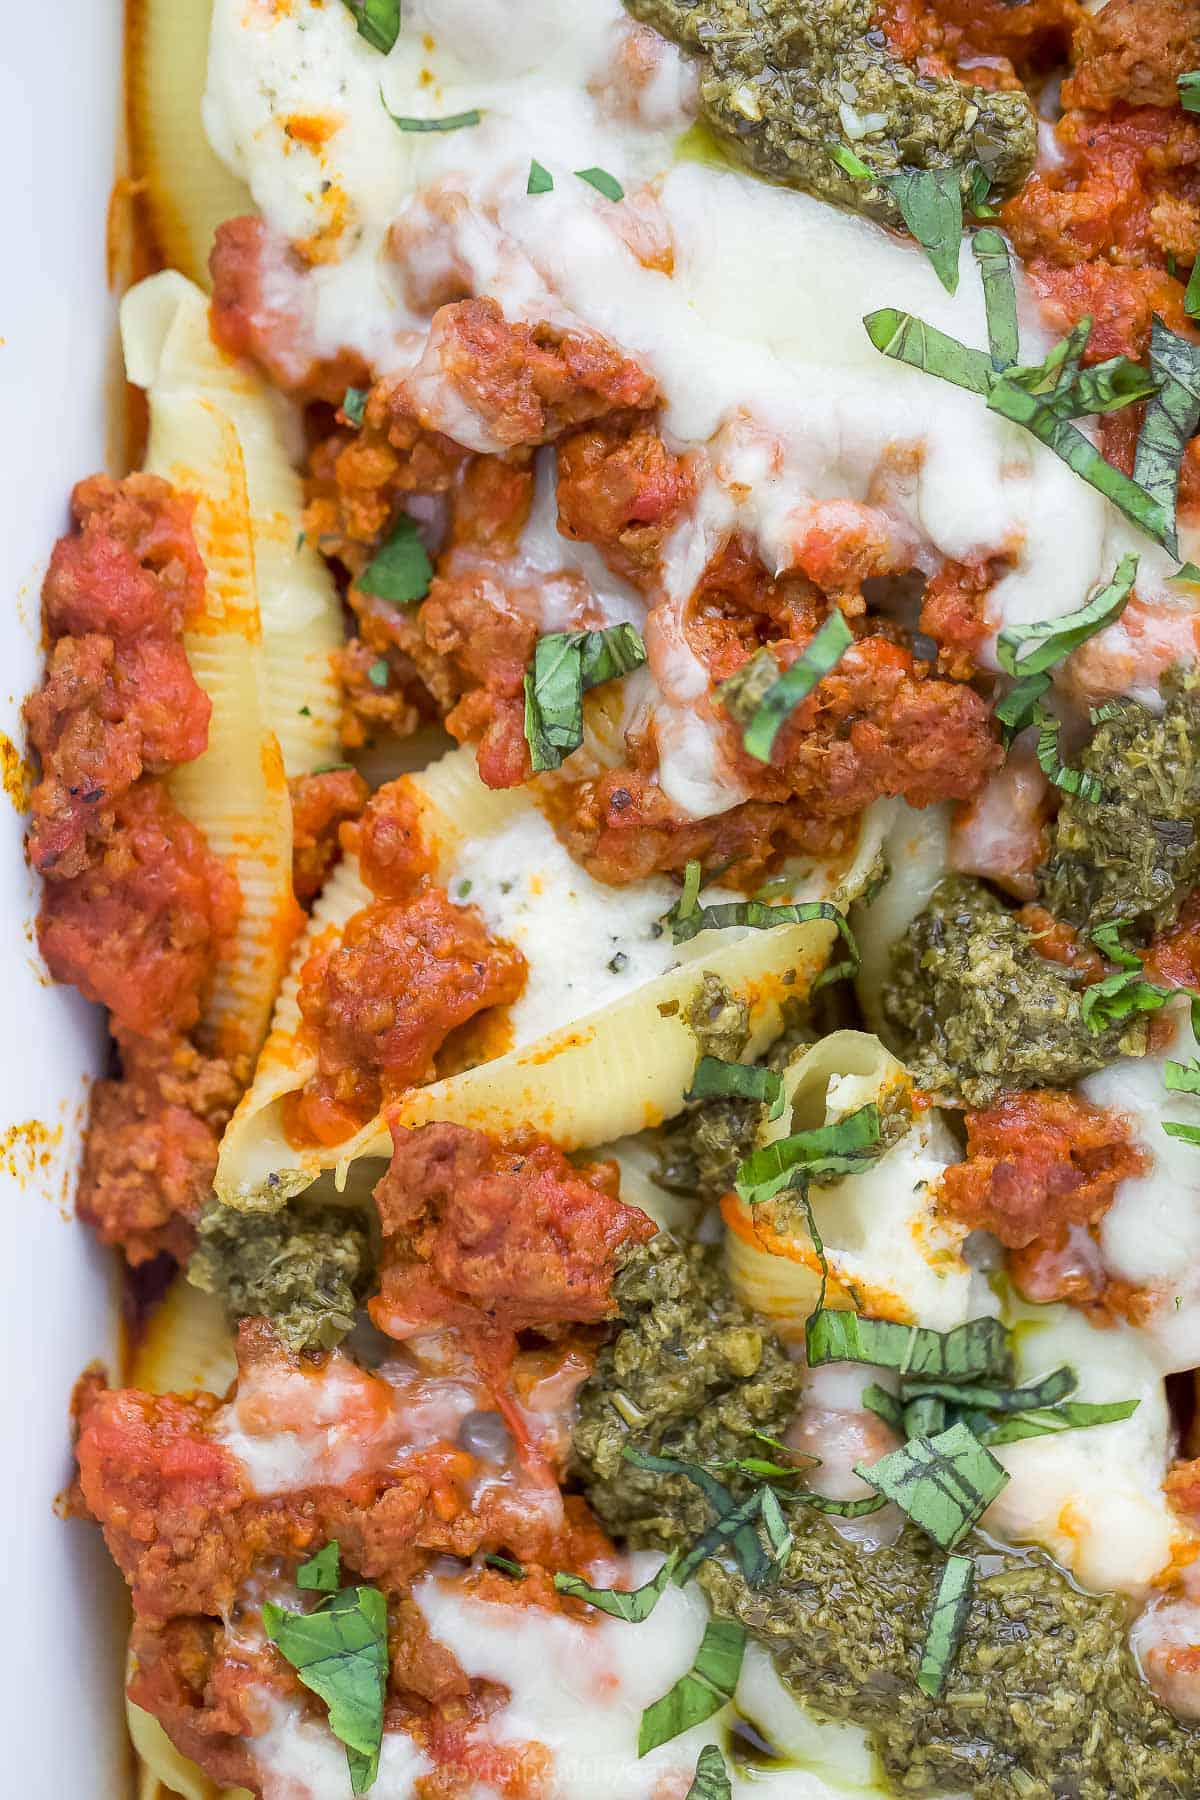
(135, 908)
(405, 972)
(198, 1497)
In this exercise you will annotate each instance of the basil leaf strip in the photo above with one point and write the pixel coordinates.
(909, 340)
(340, 1652)
(1171, 420)
(885, 1406)
(354, 404)
(505, 1564)
(1019, 706)
(999, 297)
(739, 1530)
(947, 1621)
(930, 202)
(837, 1149)
(715, 1079)
(400, 570)
(378, 21)
(1073, 1415)
(1182, 1078)
(1189, 91)
(603, 182)
(842, 1509)
(781, 699)
(633, 1605)
(1107, 937)
(322, 1571)
(1191, 300)
(708, 1686)
(849, 164)
(1047, 1392)
(1032, 649)
(978, 1350)
(451, 122)
(1071, 781)
(687, 918)
(1118, 997)
(1187, 1134)
(944, 1484)
(541, 181)
(712, 1777)
(566, 664)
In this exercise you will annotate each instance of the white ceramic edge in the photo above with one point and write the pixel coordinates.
(60, 1655)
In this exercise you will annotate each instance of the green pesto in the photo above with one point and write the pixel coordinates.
(1135, 852)
(972, 1008)
(781, 78)
(1044, 1698)
(700, 1150)
(304, 1269)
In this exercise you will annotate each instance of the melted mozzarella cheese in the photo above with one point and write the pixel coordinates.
(761, 359)
(1094, 1497)
(580, 1688)
(1151, 1233)
(586, 944)
(298, 1758)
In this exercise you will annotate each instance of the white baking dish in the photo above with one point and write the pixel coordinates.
(60, 1656)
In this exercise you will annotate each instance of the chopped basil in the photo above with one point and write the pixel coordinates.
(1071, 781)
(1023, 397)
(541, 181)
(1047, 1391)
(1187, 571)
(976, 1351)
(400, 570)
(978, 200)
(1191, 297)
(633, 1606)
(1172, 418)
(340, 1651)
(321, 1572)
(947, 1621)
(842, 1509)
(505, 1564)
(565, 665)
(786, 693)
(838, 1149)
(707, 1687)
(1107, 937)
(603, 182)
(451, 122)
(1118, 997)
(354, 404)
(1182, 1078)
(711, 1780)
(1025, 650)
(1072, 1415)
(378, 21)
(944, 1484)
(1189, 91)
(687, 917)
(885, 1406)
(910, 340)
(715, 1079)
(377, 674)
(735, 1522)
(1187, 1134)
(930, 202)
(999, 297)
(850, 165)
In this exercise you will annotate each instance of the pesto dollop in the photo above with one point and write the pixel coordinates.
(1135, 852)
(972, 1008)
(303, 1268)
(1044, 1698)
(784, 81)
